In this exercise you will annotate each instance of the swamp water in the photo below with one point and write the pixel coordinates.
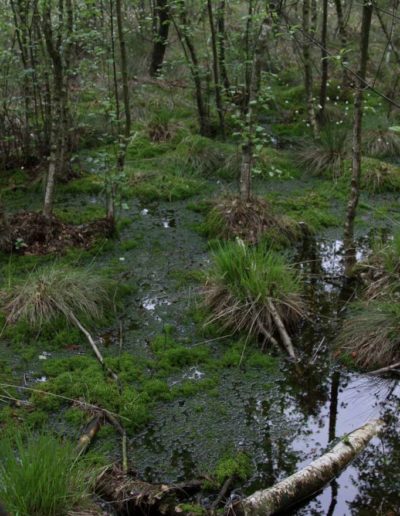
(280, 419)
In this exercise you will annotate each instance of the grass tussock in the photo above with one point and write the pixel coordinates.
(51, 291)
(325, 156)
(381, 271)
(250, 221)
(242, 284)
(371, 335)
(380, 176)
(41, 476)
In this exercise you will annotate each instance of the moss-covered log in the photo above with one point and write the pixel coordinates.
(313, 477)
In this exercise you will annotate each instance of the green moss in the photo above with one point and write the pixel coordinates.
(83, 378)
(89, 184)
(73, 215)
(50, 336)
(156, 390)
(263, 361)
(189, 508)
(128, 245)
(311, 207)
(237, 466)
(75, 417)
(166, 187)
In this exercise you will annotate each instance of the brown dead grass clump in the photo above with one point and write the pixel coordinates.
(33, 233)
(250, 221)
(371, 335)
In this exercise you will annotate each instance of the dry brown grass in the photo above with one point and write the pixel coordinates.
(372, 336)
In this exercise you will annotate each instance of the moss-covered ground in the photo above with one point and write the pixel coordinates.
(193, 400)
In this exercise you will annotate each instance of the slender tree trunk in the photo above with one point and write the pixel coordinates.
(221, 44)
(308, 78)
(189, 50)
(217, 82)
(342, 35)
(57, 48)
(5, 241)
(349, 246)
(253, 89)
(335, 384)
(125, 85)
(314, 17)
(123, 136)
(324, 61)
(161, 37)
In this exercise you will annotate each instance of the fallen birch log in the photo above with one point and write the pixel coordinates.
(310, 479)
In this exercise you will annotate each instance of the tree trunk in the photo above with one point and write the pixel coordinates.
(54, 45)
(161, 37)
(349, 246)
(342, 35)
(308, 78)
(312, 478)
(314, 17)
(217, 82)
(125, 85)
(245, 172)
(221, 44)
(5, 240)
(253, 88)
(324, 61)
(189, 50)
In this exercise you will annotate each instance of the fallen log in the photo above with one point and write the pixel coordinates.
(311, 479)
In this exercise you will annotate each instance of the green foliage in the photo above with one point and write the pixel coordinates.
(39, 475)
(273, 164)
